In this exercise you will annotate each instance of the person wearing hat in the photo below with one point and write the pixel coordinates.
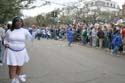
(15, 49)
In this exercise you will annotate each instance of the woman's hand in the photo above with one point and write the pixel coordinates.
(6, 46)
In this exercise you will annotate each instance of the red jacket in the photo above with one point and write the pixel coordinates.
(123, 32)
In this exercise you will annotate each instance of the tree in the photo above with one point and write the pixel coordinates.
(40, 20)
(30, 21)
(11, 8)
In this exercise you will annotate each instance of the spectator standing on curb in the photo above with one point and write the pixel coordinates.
(117, 42)
(84, 36)
(101, 36)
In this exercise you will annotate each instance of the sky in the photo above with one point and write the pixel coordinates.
(47, 8)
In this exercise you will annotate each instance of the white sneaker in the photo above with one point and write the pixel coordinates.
(24, 75)
(13, 80)
(22, 78)
(17, 80)
(1, 64)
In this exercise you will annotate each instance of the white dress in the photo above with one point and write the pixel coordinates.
(16, 54)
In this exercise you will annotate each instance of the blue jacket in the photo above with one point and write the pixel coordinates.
(70, 33)
(117, 40)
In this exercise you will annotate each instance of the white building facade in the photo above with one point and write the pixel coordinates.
(100, 5)
(92, 10)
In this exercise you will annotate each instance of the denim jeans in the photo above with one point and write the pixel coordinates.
(70, 41)
(94, 39)
(115, 50)
(84, 41)
(90, 41)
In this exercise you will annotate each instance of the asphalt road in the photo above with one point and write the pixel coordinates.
(54, 62)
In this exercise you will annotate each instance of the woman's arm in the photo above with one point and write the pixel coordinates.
(28, 35)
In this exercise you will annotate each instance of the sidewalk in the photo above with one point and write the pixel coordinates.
(4, 78)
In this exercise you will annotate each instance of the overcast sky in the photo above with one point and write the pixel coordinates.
(51, 7)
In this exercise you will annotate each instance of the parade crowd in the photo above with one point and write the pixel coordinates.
(102, 36)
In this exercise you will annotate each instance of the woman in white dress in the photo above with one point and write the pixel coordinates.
(15, 53)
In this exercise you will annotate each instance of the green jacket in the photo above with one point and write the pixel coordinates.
(84, 34)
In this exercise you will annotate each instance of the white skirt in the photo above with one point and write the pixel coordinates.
(14, 58)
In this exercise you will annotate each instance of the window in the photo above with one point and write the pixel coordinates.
(111, 5)
(123, 12)
(92, 4)
(107, 4)
(117, 6)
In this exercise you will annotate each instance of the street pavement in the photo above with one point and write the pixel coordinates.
(53, 61)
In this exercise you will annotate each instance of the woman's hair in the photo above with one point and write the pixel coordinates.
(14, 22)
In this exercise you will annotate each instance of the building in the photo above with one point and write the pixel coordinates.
(93, 10)
(123, 11)
(101, 5)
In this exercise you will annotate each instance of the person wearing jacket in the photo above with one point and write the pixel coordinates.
(84, 36)
(70, 36)
(117, 42)
(101, 36)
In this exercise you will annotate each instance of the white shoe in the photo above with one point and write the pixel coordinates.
(13, 80)
(22, 78)
(17, 80)
(1, 64)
